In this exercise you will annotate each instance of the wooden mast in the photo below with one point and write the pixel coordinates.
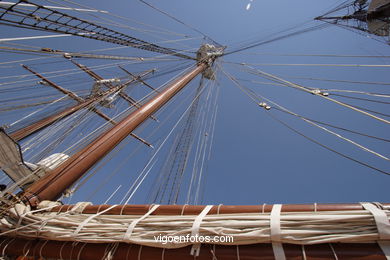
(58, 180)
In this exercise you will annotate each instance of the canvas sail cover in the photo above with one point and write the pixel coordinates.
(21, 172)
(11, 160)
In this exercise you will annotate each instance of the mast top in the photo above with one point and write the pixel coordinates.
(207, 53)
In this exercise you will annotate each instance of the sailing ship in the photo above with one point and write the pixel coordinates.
(65, 131)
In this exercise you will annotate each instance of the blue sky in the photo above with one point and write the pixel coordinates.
(254, 159)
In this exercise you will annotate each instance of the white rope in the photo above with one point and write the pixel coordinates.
(383, 226)
(385, 246)
(139, 252)
(53, 7)
(320, 65)
(304, 252)
(5, 247)
(112, 195)
(81, 250)
(156, 152)
(38, 110)
(297, 86)
(201, 146)
(131, 227)
(334, 252)
(162, 254)
(34, 37)
(195, 229)
(303, 118)
(206, 140)
(74, 71)
(79, 207)
(330, 132)
(275, 230)
(85, 222)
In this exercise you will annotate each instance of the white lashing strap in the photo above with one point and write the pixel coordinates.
(276, 232)
(79, 207)
(383, 226)
(381, 220)
(195, 229)
(135, 222)
(385, 246)
(82, 224)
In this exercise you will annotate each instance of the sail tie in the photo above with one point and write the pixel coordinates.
(195, 229)
(85, 222)
(135, 222)
(385, 246)
(79, 207)
(383, 226)
(276, 232)
(381, 220)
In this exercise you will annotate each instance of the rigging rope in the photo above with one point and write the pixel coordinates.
(255, 99)
(177, 20)
(344, 81)
(76, 55)
(364, 99)
(108, 158)
(146, 170)
(382, 95)
(47, 19)
(318, 55)
(177, 159)
(131, 20)
(152, 33)
(327, 147)
(288, 83)
(312, 123)
(313, 28)
(72, 72)
(340, 128)
(319, 65)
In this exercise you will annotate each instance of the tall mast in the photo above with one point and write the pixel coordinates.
(58, 180)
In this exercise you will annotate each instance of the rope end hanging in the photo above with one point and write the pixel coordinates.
(195, 229)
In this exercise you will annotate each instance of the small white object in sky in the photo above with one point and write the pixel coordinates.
(248, 6)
